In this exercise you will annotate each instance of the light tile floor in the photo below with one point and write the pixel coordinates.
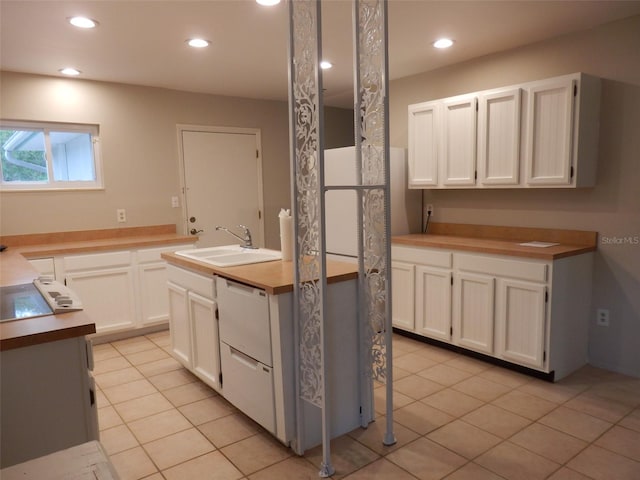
(455, 418)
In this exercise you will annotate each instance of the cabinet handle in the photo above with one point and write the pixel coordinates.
(243, 289)
(244, 359)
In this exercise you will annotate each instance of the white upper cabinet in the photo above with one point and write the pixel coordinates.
(424, 127)
(541, 134)
(549, 126)
(459, 141)
(499, 137)
(562, 126)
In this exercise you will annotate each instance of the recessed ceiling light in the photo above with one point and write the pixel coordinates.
(325, 65)
(198, 42)
(268, 3)
(443, 43)
(70, 71)
(82, 22)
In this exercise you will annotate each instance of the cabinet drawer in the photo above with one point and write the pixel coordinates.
(97, 260)
(422, 256)
(149, 255)
(502, 267)
(244, 319)
(201, 284)
(248, 385)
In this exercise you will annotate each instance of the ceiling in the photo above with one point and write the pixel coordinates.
(143, 42)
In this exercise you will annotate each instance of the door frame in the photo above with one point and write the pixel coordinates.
(215, 129)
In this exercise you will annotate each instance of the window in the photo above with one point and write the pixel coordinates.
(39, 156)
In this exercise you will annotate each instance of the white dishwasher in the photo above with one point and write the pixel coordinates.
(245, 350)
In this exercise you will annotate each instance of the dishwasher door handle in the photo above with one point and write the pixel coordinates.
(243, 289)
(246, 360)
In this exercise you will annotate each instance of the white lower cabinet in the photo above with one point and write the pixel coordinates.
(433, 302)
(521, 314)
(473, 306)
(524, 311)
(151, 272)
(152, 279)
(421, 291)
(122, 290)
(204, 332)
(402, 292)
(194, 325)
(179, 323)
(105, 284)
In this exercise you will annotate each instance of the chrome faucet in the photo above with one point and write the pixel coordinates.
(246, 241)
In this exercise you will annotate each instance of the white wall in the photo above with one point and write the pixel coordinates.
(612, 208)
(139, 150)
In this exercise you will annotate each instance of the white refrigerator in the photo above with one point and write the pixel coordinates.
(341, 205)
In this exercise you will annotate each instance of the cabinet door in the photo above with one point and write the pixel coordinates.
(521, 322)
(154, 301)
(48, 404)
(107, 296)
(206, 346)
(550, 110)
(499, 137)
(44, 266)
(459, 141)
(402, 295)
(423, 144)
(179, 324)
(433, 302)
(473, 311)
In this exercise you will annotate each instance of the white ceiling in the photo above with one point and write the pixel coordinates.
(143, 42)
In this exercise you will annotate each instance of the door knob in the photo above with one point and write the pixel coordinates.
(193, 231)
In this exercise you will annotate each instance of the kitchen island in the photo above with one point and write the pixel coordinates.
(233, 327)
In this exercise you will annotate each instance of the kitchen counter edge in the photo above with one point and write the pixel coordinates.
(274, 277)
(492, 246)
(15, 269)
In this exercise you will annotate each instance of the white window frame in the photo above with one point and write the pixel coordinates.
(52, 184)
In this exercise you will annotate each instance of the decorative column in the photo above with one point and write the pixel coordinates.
(307, 173)
(371, 113)
(308, 190)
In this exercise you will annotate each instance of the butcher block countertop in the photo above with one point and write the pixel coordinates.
(274, 277)
(15, 269)
(503, 240)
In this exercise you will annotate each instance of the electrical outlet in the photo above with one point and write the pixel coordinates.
(602, 317)
(121, 213)
(429, 209)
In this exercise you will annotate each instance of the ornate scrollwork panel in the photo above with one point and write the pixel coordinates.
(305, 99)
(372, 105)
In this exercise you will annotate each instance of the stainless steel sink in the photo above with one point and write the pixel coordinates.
(231, 255)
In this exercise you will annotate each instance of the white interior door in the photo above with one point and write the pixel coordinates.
(223, 184)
